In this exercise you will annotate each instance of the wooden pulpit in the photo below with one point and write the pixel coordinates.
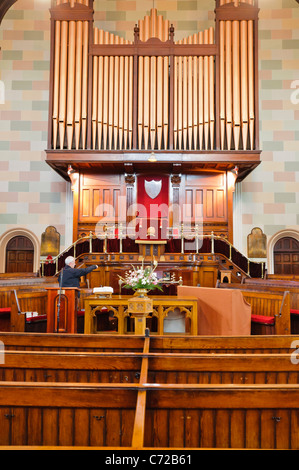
(62, 308)
(151, 248)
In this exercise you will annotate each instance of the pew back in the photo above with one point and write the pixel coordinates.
(168, 401)
(274, 306)
(177, 416)
(270, 287)
(170, 343)
(27, 304)
(162, 368)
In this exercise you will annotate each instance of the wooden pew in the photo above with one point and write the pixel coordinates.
(72, 343)
(270, 305)
(122, 343)
(15, 301)
(275, 288)
(271, 309)
(22, 279)
(275, 285)
(161, 407)
(27, 308)
(268, 344)
(5, 310)
(23, 298)
(188, 416)
(89, 367)
(291, 277)
(279, 285)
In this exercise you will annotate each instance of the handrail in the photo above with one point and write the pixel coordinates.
(56, 258)
(183, 235)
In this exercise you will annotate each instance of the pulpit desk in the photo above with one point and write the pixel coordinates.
(151, 248)
(118, 305)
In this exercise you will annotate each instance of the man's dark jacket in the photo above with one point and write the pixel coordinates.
(70, 277)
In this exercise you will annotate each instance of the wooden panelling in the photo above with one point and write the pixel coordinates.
(154, 392)
(100, 198)
(204, 198)
(198, 199)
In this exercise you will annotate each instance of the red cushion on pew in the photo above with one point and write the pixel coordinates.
(5, 310)
(263, 319)
(36, 318)
(80, 313)
(294, 311)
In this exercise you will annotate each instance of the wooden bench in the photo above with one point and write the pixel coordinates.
(184, 416)
(89, 367)
(279, 285)
(160, 406)
(286, 277)
(69, 342)
(109, 367)
(275, 288)
(270, 310)
(122, 343)
(18, 299)
(144, 415)
(15, 302)
(27, 308)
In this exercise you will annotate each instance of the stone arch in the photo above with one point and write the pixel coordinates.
(7, 236)
(5, 6)
(270, 248)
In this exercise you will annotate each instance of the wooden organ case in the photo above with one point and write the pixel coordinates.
(186, 110)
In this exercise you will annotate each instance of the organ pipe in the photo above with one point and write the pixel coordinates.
(194, 87)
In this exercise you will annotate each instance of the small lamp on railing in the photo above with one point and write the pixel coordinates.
(182, 238)
(120, 234)
(152, 158)
(196, 238)
(90, 242)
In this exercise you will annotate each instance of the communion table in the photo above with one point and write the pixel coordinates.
(163, 308)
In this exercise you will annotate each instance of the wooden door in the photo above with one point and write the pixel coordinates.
(286, 256)
(19, 255)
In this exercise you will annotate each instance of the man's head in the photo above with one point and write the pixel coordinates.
(70, 261)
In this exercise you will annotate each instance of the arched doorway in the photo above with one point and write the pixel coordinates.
(286, 256)
(19, 255)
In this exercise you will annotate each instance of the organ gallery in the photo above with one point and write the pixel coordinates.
(179, 113)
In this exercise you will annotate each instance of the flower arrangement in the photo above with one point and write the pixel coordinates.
(141, 278)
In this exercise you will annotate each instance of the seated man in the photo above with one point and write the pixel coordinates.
(70, 276)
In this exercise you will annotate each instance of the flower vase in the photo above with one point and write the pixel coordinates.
(142, 293)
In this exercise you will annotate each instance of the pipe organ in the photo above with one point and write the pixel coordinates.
(192, 101)
(237, 76)
(70, 82)
(155, 93)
